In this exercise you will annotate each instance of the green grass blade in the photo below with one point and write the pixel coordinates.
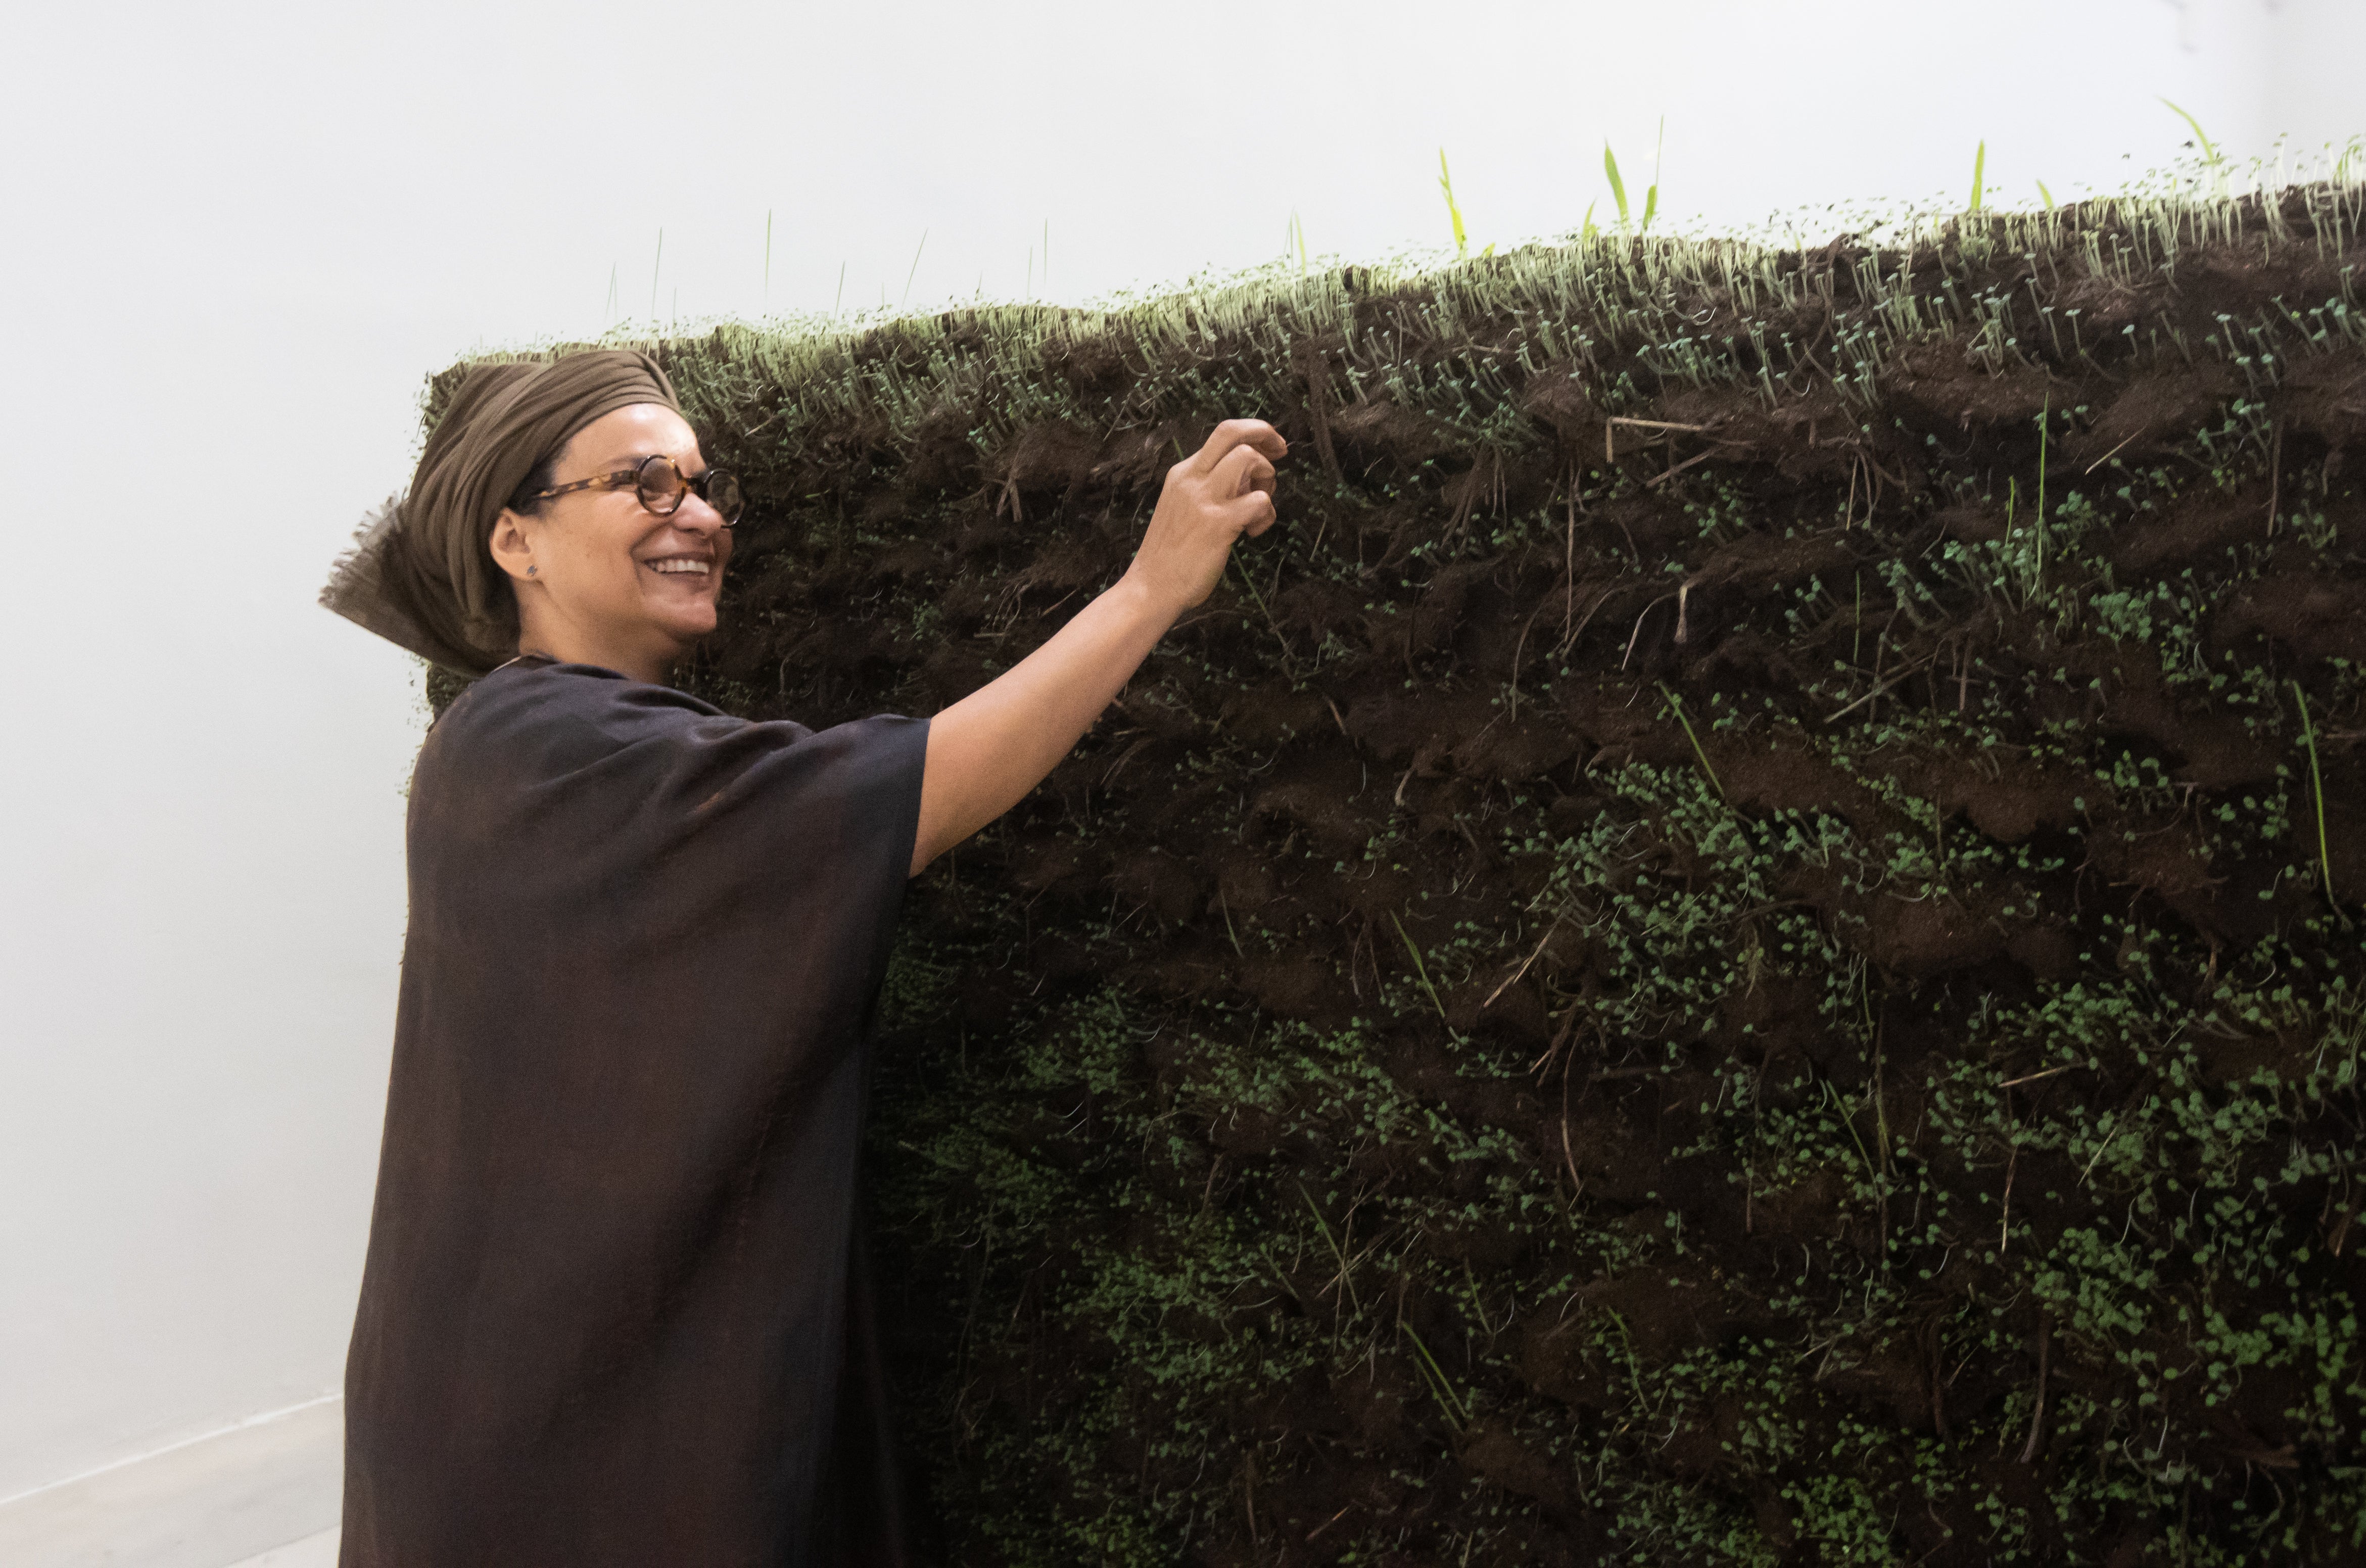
(1678, 706)
(2046, 196)
(1347, 1264)
(2044, 429)
(2209, 149)
(1441, 1388)
(1651, 196)
(1979, 172)
(1445, 184)
(1618, 186)
(1421, 970)
(916, 265)
(2316, 779)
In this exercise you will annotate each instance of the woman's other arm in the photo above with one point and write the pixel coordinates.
(988, 749)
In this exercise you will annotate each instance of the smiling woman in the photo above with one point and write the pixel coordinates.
(621, 568)
(614, 1309)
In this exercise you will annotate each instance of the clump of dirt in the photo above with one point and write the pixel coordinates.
(1739, 943)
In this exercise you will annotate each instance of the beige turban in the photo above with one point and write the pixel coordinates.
(420, 574)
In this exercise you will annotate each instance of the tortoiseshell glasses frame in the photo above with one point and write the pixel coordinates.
(661, 485)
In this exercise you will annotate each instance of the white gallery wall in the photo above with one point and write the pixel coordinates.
(240, 236)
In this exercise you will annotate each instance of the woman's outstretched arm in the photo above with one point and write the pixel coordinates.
(989, 749)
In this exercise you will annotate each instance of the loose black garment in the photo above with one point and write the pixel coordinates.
(605, 1316)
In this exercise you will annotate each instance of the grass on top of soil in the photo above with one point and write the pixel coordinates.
(1739, 942)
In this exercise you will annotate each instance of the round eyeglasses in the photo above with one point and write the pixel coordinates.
(660, 486)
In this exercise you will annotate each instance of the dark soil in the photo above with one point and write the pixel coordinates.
(1761, 999)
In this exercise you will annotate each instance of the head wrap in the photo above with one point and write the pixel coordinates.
(420, 573)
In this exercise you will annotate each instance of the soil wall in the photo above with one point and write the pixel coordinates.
(1739, 943)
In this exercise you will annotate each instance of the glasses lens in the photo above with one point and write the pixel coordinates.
(720, 490)
(661, 485)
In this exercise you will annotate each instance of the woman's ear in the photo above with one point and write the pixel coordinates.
(513, 544)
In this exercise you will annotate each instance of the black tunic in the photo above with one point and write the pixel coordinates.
(605, 1317)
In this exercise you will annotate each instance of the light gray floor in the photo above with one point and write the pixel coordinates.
(264, 1495)
(312, 1551)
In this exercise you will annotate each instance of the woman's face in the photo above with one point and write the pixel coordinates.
(599, 577)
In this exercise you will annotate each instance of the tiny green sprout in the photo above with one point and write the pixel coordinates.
(1445, 184)
(1979, 172)
(1296, 241)
(1618, 186)
(2046, 195)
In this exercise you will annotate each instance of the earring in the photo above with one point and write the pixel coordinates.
(529, 571)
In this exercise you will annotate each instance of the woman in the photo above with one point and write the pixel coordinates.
(610, 1313)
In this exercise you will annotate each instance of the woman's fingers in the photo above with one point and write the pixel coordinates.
(1243, 469)
(1234, 433)
(1251, 513)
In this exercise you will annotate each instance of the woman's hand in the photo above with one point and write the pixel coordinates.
(1211, 498)
(989, 749)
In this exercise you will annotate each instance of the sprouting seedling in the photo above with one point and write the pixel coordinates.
(1979, 172)
(1626, 1344)
(1296, 241)
(1421, 970)
(1586, 231)
(2316, 779)
(2046, 195)
(1676, 704)
(1618, 186)
(2210, 154)
(1445, 184)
